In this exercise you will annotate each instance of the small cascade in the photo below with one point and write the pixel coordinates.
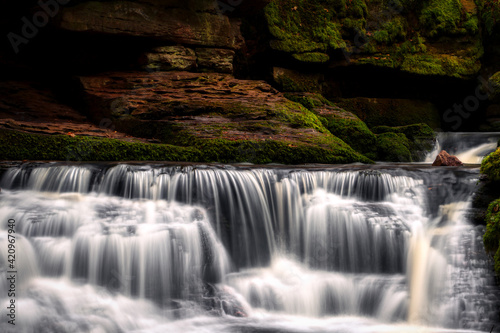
(469, 147)
(244, 249)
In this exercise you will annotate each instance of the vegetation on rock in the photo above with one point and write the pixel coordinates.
(491, 237)
(379, 33)
(491, 166)
(393, 147)
(26, 146)
(420, 137)
(16, 145)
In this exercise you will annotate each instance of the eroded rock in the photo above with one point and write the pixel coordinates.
(445, 159)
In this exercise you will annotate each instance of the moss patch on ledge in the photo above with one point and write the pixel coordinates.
(273, 151)
(16, 145)
(26, 146)
(491, 165)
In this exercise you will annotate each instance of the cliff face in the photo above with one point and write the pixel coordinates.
(252, 74)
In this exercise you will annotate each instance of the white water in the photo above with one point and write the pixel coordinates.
(197, 249)
(469, 147)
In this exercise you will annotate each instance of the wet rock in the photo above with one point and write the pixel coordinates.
(445, 159)
(168, 58)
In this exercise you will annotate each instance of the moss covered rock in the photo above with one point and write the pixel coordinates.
(494, 87)
(421, 138)
(491, 237)
(490, 166)
(441, 16)
(16, 145)
(341, 123)
(393, 147)
(310, 26)
(435, 37)
(220, 115)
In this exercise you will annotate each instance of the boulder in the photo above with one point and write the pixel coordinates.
(231, 120)
(445, 159)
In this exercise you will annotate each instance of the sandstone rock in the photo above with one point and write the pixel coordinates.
(169, 58)
(243, 118)
(445, 159)
(215, 60)
(178, 25)
(27, 107)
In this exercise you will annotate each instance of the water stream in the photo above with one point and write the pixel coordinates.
(155, 248)
(469, 147)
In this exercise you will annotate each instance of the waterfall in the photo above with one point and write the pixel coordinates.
(154, 248)
(469, 147)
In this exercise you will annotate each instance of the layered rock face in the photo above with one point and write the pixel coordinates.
(226, 75)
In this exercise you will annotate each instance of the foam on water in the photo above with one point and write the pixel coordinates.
(221, 249)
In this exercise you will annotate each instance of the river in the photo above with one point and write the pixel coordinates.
(140, 247)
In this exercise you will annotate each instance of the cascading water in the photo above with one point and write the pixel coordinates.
(151, 248)
(469, 147)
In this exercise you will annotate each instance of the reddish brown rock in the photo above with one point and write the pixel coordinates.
(174, 24)
(182, 108)
(29, 107)
(445, 159)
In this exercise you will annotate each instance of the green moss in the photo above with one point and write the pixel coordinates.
(491, 237)
(300, 26)
(441, 17)
(442, 64)
(354, 132)
(297, 116)
(309, 101)
(393, 147)
(260, 152)
(391, 31)
(490, 166)
(494, 85)
(471, 25)
(490, 14)
(23, 146)
(313, 57)
(420, 138)
(349, 129)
